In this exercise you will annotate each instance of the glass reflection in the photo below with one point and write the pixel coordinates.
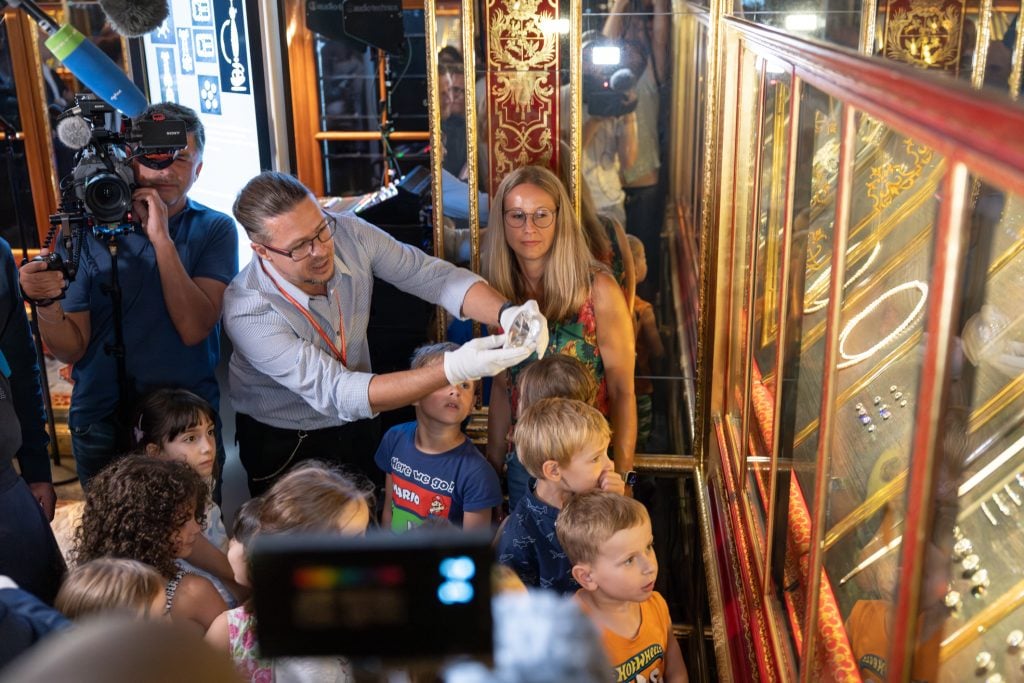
(895, 201)
(979, 528)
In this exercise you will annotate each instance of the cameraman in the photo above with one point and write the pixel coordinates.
(643, 25)
(609, 132)
(173, 272)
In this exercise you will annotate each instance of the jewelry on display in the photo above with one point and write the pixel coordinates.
(898, 395)
(871, 427)
(971, 564)
(995, 678)
(984, 661)
(953, 601)
(988, 515)
(1013, 495)
(884, 412)
(980, 580)
(853, 359)
(876, 400)
(1014, 639)
(816, 305)
(962, 548)
(1001, 504)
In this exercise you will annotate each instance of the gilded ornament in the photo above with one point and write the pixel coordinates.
(925, 33)
(891, 179)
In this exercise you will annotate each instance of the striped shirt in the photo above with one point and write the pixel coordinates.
(282, 373)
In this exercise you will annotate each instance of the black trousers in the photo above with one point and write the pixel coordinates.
(268, 452)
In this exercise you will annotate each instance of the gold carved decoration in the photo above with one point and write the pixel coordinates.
(817, 254)
(523, 87)
(925, 33)
(517, 40)
(824, 172)
(889, 179)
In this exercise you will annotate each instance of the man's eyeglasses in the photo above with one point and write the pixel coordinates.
(542, 218)
(326, 231)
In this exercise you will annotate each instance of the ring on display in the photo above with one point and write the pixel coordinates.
(852, 359)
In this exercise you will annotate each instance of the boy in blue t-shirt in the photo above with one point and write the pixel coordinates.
(433, 471)
(564, 444)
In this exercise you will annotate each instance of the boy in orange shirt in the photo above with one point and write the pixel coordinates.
(608, 540)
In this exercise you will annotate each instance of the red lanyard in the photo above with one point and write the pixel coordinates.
(338, 354)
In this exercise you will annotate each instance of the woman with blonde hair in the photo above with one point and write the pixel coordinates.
(536, 249)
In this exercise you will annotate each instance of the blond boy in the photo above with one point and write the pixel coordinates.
(563, 444)
(552, 376)
(608, 540)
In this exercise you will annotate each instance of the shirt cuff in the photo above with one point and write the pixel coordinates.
(355, 398)
(454, 293)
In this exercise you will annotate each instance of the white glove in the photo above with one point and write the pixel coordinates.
(482, 357)
(537, 338)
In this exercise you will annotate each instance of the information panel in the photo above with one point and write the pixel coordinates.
(202, 57)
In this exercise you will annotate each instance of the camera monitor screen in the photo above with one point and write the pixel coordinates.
(424, 595)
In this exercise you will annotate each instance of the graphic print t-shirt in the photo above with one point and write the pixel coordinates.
(642, 657)
(439, 486)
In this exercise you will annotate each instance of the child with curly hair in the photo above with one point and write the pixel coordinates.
(111, 584)
(175, 424)
(312, 498)
(151, 510)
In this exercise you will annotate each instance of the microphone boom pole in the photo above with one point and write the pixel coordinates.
(45, 21)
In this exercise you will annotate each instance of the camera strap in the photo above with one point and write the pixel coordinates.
(339, 354)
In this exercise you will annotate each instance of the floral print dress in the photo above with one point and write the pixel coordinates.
(244, 649)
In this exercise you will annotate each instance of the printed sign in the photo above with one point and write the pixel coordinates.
(234, 58)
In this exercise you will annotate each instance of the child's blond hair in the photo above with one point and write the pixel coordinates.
(109, 583)
(310, 498)
(556, 429)
(589, 519)
(556, 376)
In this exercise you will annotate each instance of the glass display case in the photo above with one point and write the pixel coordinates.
(862, 416)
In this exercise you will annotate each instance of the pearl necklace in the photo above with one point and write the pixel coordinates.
(848, 359)
(815, 305)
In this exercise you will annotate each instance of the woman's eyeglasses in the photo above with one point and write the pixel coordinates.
(304, 249)
(542, 218)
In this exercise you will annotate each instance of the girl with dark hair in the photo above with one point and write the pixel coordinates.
(175, 424)
(151, 510)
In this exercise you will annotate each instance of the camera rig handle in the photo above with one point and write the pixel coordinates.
(69, 225)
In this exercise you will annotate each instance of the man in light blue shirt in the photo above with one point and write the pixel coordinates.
(300, 377)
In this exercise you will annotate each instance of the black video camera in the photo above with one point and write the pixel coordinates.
(102, 179)
(97, 194)
(610, 72)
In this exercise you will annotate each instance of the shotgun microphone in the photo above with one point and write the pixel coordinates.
(96, 71)
(87, 62)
